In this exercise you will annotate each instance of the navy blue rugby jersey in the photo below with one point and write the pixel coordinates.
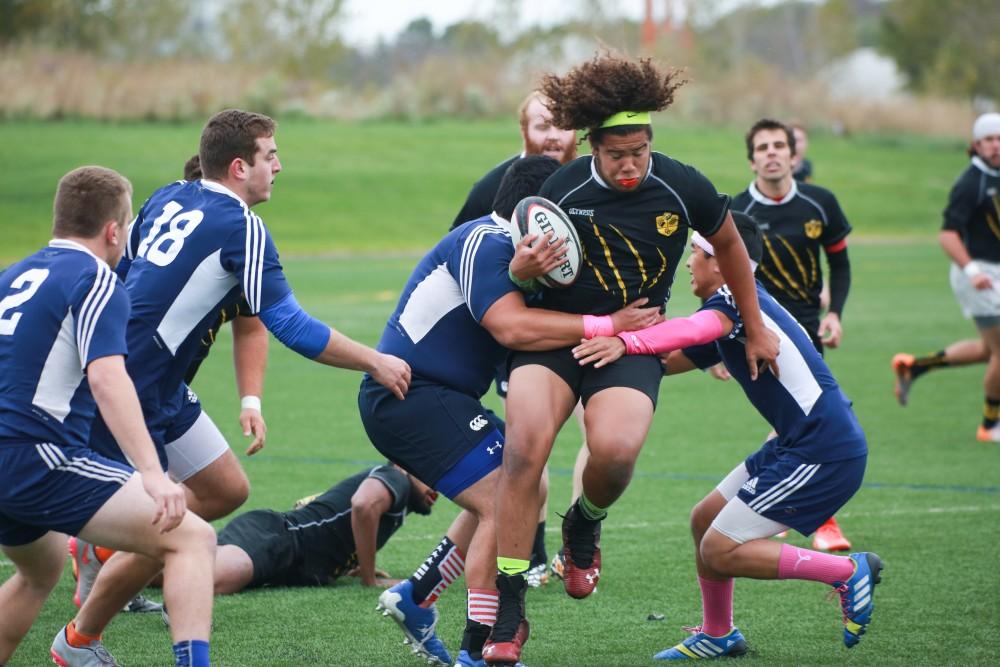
(795, 229)
(974, 210)
(60, 309)
(804, 405)
(194, 248)
(436, 325)
(632, 241)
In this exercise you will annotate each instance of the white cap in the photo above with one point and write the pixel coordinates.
(986, 125)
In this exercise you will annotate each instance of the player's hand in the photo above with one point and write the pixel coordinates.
(392, 373)
(169, 498)
(252, 422)
(830, 331)
(599, 351)
(762, 349)
(634, 317)
(982, 281)
(720, 372)
(536, 259)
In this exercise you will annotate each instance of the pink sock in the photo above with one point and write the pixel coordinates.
(796, 563)
(716, 606)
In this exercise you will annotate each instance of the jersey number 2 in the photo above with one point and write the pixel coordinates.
(33, 278)
(161, 249)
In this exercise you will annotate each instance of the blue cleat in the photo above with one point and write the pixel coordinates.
(416, 622)
(856, 595)
(699, 646)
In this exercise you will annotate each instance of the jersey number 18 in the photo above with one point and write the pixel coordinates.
(161, 249)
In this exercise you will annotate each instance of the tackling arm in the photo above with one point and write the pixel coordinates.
(368, 504)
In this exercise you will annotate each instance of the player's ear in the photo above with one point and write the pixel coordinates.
(113, 233)
(238, 169)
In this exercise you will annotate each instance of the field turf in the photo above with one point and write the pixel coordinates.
(931, 500)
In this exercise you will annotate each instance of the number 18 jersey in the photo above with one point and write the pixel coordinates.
(193, 248)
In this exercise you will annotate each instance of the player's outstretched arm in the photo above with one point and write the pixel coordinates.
(116, 398)
(762, 344)
(368, 504)
(250, 361)
(313, 339)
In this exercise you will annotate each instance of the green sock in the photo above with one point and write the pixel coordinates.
(591, 511)
(512, 566)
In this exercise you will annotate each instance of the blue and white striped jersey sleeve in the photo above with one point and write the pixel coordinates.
(480, 266)
(252, 257)
(101, 316)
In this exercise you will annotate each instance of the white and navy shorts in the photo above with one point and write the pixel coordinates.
(981, 305)
(46, 487)
(788, 490)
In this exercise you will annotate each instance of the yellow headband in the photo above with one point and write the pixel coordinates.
(628, 118)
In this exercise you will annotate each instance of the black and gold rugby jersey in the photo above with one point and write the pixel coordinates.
(483, 192)
(974, 210)
(795, 231)
(632, 241)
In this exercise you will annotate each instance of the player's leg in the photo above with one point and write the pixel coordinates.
(38, 566)
(907, 367)
(199, 457)
(445, 563)
(581, 456)
(537, 574)
(989, 331)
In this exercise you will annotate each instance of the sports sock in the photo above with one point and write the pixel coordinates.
(716, 606)
(444, 564)
(538, 553)
(590, 511)
(991, 412)
(76, 638)
(512, 566)
(482, 605)
(923, 364)
(796, 563)
(191, 653)
(474, 638)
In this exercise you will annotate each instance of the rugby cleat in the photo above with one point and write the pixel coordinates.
(537, 576)
(466, 660)
(902, 364)
(857, 595)
(581, 553)
(829, 537)
(140, 604)
(92, 655)
(700, 646)
(416, 622)
(984, 434)
(510, 632)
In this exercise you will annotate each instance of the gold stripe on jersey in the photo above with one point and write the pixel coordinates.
(798, 262)
(991, 221)
(775, 280)
(635, 253)
(611, 263)
(792, 284)
(663, 267)
(597, 271)
(813, 267)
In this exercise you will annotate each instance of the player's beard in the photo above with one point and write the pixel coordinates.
(551, 148)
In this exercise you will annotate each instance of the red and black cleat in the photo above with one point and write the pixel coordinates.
(506, 653)
(581, 553)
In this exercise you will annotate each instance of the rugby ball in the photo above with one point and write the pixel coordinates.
(537, 215)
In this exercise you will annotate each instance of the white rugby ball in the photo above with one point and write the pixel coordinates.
(537, 215)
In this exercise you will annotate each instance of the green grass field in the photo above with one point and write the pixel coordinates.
(931, 498)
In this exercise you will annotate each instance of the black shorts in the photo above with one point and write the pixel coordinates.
(641, 372)
(273, 550)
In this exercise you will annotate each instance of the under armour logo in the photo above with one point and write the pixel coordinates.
(478, 423)
(494, 448)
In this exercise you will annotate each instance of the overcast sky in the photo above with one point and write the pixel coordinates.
(370, 19)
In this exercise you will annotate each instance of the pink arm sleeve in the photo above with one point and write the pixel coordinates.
(702, 327)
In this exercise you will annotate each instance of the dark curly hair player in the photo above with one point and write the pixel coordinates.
(633, 209)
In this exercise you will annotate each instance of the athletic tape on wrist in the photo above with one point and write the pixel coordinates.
(250, 403)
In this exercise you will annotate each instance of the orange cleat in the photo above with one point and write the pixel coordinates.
(984, 434)
(902, 363)
(829, 538)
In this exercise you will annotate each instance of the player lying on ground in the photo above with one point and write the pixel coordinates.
(796, 480)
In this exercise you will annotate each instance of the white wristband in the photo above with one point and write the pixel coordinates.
(250, 403)
(972, 269)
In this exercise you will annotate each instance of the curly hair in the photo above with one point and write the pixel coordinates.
(599, 88)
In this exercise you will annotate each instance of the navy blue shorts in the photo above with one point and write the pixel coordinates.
(165, 425)
(47, 487)
(443, 437)
(797, 492)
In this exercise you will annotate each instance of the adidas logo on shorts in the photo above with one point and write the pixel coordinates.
(750, 486)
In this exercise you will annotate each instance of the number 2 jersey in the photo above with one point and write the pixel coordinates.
(60, 309)
(192, 250)
(632, 241)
